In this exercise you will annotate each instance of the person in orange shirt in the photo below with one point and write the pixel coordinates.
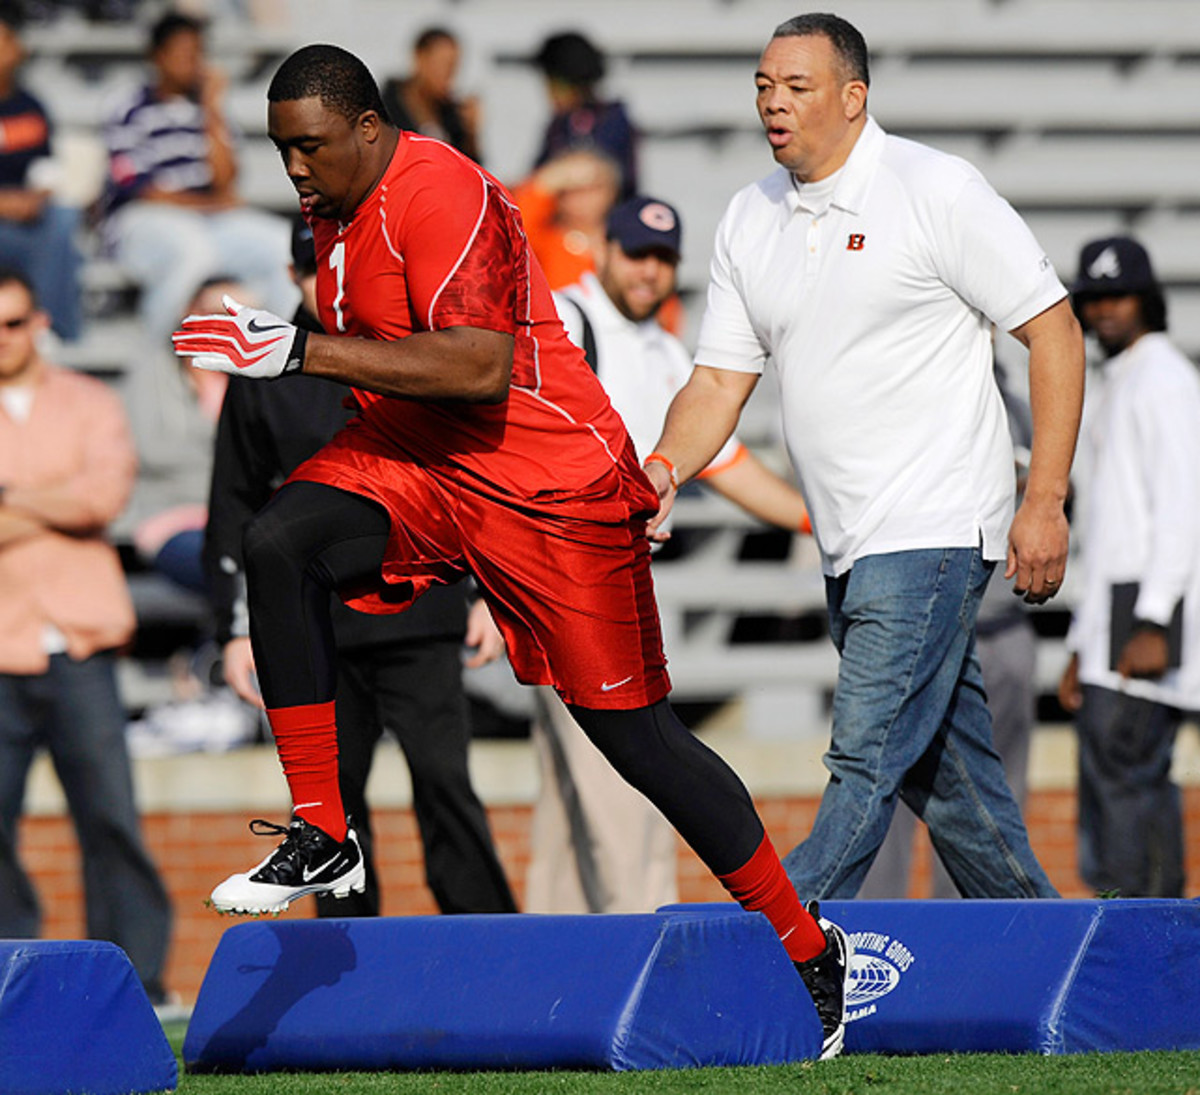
(67, 466)
(564, 205)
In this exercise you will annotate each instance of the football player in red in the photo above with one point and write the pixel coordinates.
(484, 445)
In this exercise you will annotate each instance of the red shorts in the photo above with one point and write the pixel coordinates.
(566, 576)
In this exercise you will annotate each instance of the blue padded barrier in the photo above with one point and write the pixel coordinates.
(75, 1018)
(1044, 977)
(501, 992)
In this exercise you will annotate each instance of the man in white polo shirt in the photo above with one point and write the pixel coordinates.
(870, 270)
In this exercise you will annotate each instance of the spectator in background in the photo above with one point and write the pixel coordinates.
(1135, 651)
(177, 457)
(564, 206)
(169, 511)
(36, 234)
(424, 101)
(397, 673)
(597, 844)
(573, 68)
(67, 465)
(173, 216)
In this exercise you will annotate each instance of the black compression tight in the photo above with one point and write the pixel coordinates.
(693, 788)
(309, 541)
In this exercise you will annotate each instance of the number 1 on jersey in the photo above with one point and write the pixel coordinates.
(337, 263)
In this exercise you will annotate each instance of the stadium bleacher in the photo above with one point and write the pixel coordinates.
(1082, 112)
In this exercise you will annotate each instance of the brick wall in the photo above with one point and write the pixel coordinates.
(196, 850)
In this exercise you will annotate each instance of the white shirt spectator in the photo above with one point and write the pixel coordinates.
(1141, 462)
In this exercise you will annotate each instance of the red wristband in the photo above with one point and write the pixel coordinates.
(658, 456)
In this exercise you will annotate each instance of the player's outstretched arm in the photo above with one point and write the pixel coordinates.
(464, 363)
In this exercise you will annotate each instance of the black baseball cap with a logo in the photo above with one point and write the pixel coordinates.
(1114, 266)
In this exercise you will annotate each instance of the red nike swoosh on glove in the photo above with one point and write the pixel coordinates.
(235, 355)
(226, 330)
(242, 355)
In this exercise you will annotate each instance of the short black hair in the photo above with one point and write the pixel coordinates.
(329, 73)
(12, 15)
(430, 36)
(14, 275)
(571, 58)
(845, 38)
(170, 24)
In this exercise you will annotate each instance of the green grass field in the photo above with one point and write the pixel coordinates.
(968, 1074)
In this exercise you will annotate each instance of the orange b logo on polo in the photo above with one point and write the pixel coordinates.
(856, 241)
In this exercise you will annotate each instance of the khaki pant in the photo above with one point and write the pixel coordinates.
(597, 844)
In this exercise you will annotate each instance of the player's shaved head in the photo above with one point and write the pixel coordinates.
(329, 73)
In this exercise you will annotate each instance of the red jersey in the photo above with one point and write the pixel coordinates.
(439, 243)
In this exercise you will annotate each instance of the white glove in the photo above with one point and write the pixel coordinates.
(246, 342)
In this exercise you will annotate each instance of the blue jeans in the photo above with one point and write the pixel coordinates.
(911, 721)
(171, 251)
(181, 559)
(73, 710)
(46, 251)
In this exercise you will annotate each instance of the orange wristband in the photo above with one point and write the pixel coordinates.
(666, 464)
(805, 526)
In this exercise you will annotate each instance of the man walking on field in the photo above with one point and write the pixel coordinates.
(870, 270)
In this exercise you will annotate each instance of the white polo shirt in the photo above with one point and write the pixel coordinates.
(875, 309)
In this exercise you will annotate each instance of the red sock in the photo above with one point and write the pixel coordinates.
(762, 885)
(306, 739)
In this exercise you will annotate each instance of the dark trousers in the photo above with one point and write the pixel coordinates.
(1130, 814)
(74, 711)
(413, 690)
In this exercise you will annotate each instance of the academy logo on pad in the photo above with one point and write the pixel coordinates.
(878, 964)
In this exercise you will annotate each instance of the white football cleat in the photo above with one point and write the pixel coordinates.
(309, 861)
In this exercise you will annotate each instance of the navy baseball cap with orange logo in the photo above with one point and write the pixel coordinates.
(645, 224)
